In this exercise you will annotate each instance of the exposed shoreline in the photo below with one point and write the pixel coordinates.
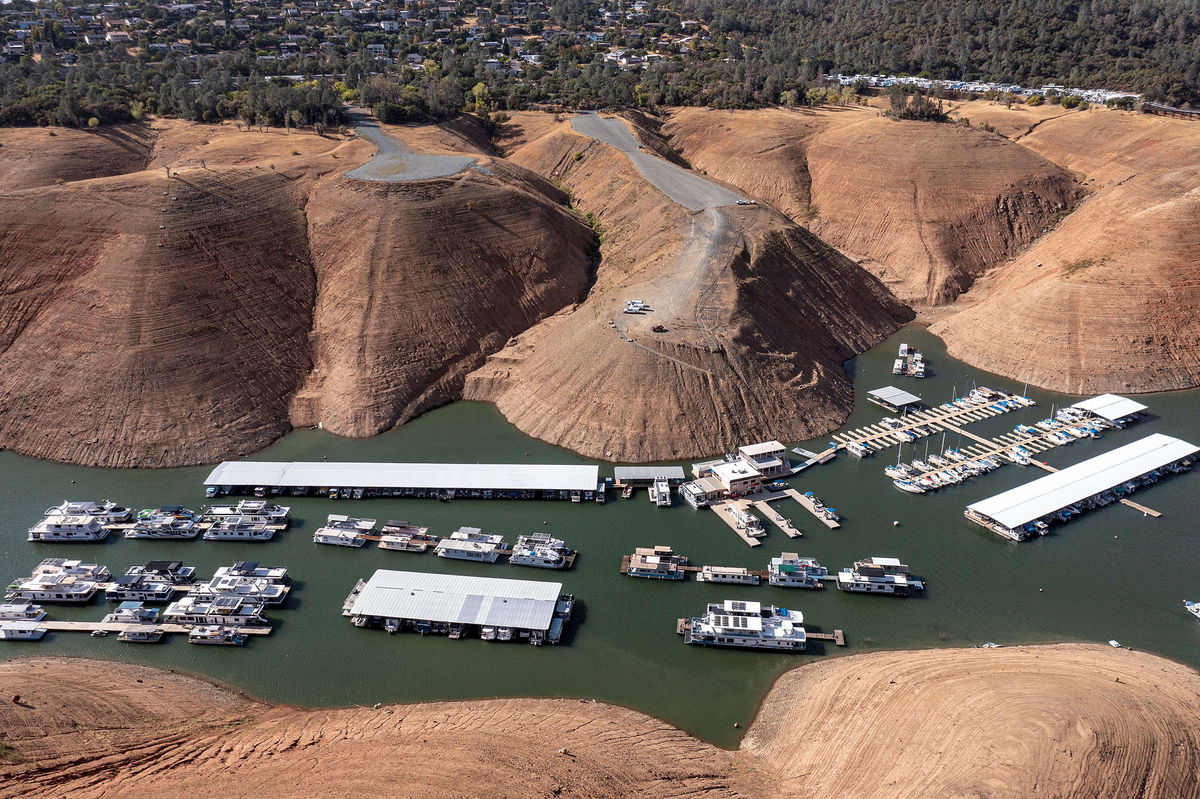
(953, 721)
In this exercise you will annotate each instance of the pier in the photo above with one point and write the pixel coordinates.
(808, 504)
(926, 422)
(121, 626)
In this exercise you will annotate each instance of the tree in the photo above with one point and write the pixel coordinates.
(93, 122)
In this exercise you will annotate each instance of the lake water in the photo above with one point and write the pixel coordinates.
(1112, 574)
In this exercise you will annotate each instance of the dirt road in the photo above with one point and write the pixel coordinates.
(395, 162)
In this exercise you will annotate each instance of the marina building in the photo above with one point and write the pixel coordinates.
(892, 398)
(1116, 410)
(768, 458)
(646, 475)
(421, 480)
(457, 605)
(1030, 509)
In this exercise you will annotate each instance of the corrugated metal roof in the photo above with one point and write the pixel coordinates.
(1024, 504)
(407, 475)
(486, 601)
(762, 448)
(624, 473)
(1110, 406)
(894, 396)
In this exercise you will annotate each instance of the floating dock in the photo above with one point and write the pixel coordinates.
(1030, 509)
(928, 421)
(727, 510)
(808, 504)
(121, 626)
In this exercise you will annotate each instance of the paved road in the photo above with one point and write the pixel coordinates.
(684, 187)
(395, 163)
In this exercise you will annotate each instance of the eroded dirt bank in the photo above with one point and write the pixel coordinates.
(1051, 721)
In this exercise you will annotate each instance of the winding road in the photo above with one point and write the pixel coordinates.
(395, 162)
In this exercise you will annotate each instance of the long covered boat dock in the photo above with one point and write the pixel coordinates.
(419, 480)
(1030, 509)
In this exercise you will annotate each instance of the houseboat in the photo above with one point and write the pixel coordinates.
(747, 522)
(737, 575)
(250, 510)
(269, 592)
(879, 576)
(67, 529)
(216, 635)
(789, 570)
(21, 631)
(236, 528)
(172, 526)
(660, 492)
(59, 580)
(344, 531)
(132, 613)
(172, 571)
(405, 537)
(252, 568)
(231, 610)
(746, 625)
(21, 611)
(542, 551)
(140, 588)
(471, 543)
(656, 563)
(107, 512)
(145, 635)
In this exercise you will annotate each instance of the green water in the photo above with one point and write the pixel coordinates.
(1113, 574)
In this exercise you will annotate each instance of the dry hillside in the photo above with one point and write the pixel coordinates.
(927, 208)
(1057, 722)
(147, 320)
(760, 315)
(31, 157)
(1110, 299)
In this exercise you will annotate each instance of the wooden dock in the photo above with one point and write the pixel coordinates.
(776, 518)
(837, 636)
(121, 626)
(807, 504)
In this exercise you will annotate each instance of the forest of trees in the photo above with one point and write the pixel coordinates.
(760, 52)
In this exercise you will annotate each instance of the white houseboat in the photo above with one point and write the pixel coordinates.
(252, 568)
(655, 563)
(172, 571)
(789, 570)
(737, 575)
(471, 543)
(251, 510)
(132, 613)
(746, 625)
(171, 526)
(271, 593)
(216, 635)
(879, 576)
(660, 492)
(229, 610)
(140, 588)
(235, 528)
(21, 631)
(21, 611)
(107, 512)
(142, 635)
(344, 531)
(542, 551)
(66, 529)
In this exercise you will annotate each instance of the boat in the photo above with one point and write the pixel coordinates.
(879, 576)
(143, 636)
(108, 512)
(21, 611)
(904, 350)
(405, 537)
(172, 571)
(21, 631)
(488, 633)
(789, 570)
(251, 510)
(164, 525)
(989, 645)
(1114, 644)
(746, 625)
(542, 551)
(859, 450)
(737, 575)
(236, 528)
(268, 591)
(59, 580)
(132, 613)
(252, 568)
(344, 531)
(747, 522)
(68, 529)
(140, 588)
(660, 492)
(909, 486)
(656, 563)
(504, 633)
(471, 543)
(216, 635)
(898, 366)
(230, 610)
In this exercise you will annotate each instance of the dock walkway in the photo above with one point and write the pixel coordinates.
(808, 505)
(121, 626)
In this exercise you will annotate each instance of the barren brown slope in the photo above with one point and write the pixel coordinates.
(926, 207)
(31, 157)
(1109, 300)
(1056, 722)
(418, 282)
(760, 314)
(143, 329)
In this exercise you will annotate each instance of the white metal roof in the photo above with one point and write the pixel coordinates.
(762, 448)
(451, 598)
(407, 475)
(737, 470)
(1110, 406)
(1045, 495)
(624, 473)
(894, 396)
